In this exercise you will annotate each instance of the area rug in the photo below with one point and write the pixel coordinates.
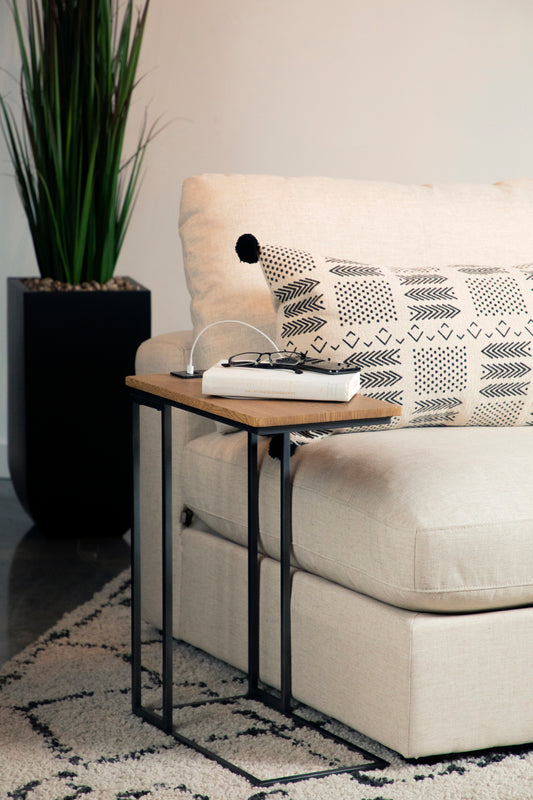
(67, 731)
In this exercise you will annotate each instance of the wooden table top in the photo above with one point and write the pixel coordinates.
(259, 413)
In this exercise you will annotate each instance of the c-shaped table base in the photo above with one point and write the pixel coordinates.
(283, 701)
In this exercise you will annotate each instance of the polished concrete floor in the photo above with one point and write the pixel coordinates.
(43, 578)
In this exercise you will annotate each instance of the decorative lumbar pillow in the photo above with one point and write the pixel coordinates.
(451, 344)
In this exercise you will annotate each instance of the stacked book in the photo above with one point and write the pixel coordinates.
(279, 384)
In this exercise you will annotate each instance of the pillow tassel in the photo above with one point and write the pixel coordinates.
(247, 248)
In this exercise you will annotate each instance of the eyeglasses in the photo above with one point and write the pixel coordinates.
(280, 360)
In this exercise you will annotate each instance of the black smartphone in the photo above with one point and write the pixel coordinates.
(329, 367)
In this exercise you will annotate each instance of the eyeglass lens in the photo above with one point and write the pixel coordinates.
(277, 359)
(245, 359)
(290, 359)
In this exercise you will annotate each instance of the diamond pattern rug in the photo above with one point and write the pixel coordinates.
(67, 731)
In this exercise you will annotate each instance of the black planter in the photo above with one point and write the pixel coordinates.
(69, 448)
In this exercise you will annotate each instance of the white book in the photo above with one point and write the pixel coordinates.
(279, 384)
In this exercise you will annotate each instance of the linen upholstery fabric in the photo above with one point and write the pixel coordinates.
(365, 221)
(451, 345)
(420, 683)
(426, 519)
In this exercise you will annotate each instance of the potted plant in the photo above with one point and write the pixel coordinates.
(73, 332)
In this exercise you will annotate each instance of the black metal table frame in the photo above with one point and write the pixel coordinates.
(282, 702)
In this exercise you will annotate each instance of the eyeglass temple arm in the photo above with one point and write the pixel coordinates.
(190, 368)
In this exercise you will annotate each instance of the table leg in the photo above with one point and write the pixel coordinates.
(135, 564)
(285, 702)
(166, 482)
(253, 566)
(163, 721)
(285, 568)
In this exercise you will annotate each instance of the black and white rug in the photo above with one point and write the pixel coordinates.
(67, 731)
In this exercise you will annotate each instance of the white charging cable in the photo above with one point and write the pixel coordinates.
(190, 368)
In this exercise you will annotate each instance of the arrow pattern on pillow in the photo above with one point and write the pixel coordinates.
(387, 378)
(504, 371)
(375, 358)
(504, 389)
(424, 406)
(389, 397)
(427, 293)
(295, 289)
(507, 350)
(472, 270)
(407, 280)
(436, 419)
(442, 311)
(301, 326)
(308, 304)
(359, 270)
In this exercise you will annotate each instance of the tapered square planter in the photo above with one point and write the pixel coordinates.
(69, 448)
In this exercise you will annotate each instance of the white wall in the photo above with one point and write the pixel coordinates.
(402, 90)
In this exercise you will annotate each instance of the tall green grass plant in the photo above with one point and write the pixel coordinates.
(79, 61)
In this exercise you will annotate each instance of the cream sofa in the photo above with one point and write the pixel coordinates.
(412, 547)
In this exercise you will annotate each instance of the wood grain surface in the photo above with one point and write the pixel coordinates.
(260, 413)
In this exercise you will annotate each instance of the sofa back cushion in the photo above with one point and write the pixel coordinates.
(371, 222)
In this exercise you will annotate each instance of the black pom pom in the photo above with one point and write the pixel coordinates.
(247, 248)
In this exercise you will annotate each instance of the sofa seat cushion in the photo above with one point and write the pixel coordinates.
(429, 519)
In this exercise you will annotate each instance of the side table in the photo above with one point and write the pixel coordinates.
(259, 418)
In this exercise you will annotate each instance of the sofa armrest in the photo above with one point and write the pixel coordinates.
(165, 353)
(161, 354)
